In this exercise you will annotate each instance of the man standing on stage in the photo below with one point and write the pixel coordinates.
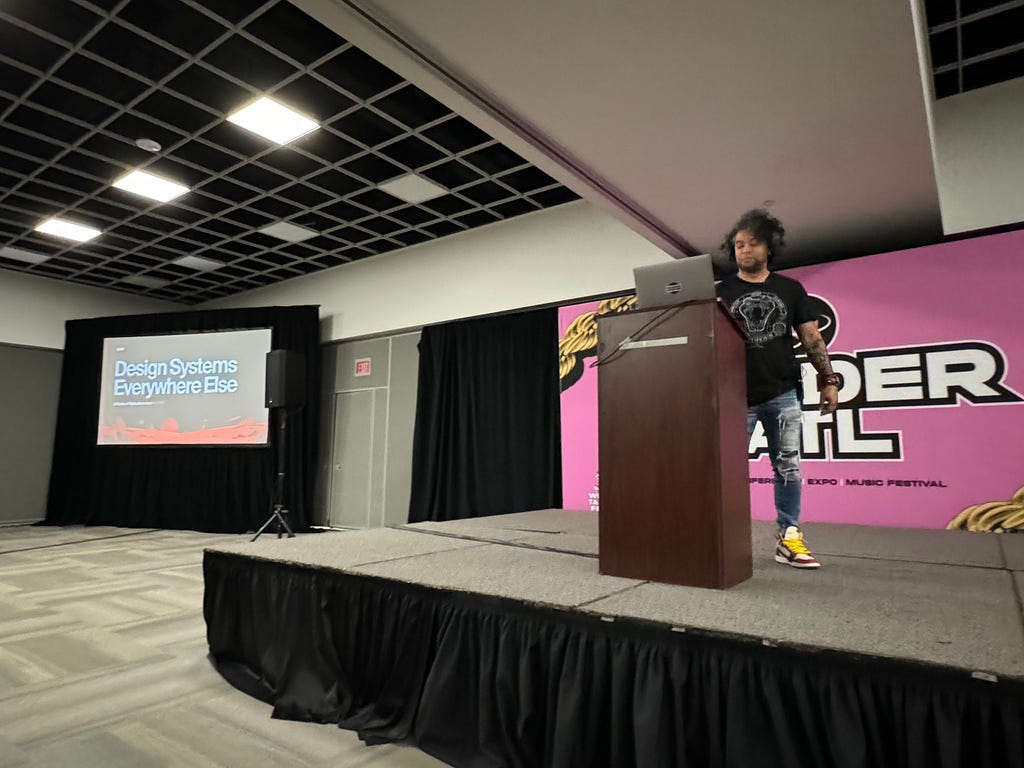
(769, 307)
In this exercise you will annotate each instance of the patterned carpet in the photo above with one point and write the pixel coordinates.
(103, 663)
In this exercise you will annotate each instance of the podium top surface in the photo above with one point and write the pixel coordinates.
(673, 307)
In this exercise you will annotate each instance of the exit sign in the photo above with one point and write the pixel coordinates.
(362, 366)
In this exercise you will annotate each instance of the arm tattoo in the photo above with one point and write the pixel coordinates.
(817, 353)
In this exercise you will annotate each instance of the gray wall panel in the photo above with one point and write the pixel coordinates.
(325, 445)
(351, 493)
(379, 458)
(347, 354)
(405, 362)
(29, 390)
(368, 428)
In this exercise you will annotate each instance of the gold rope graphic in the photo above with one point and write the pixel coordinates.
(581, 335)
(995, 516)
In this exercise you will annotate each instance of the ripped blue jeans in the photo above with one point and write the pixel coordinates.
(780, 417)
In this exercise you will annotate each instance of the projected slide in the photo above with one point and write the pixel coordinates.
(184, 389)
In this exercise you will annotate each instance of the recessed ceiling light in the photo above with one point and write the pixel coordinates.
(273, 120)
(198, 263)
(146, 281)
(148, 185)
(291, 233)
(413, 188)
(68, 230)
(20, 254)
(148, 144)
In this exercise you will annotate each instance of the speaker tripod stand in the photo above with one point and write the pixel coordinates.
(279, 513)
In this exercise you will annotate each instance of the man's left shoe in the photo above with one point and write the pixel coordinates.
(791, 550)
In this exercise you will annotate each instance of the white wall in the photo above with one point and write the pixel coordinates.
(33, 309)
(979, 151)
(557, 255)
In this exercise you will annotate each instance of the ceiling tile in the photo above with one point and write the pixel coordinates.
(412, 107)
(96, 77)
(456, 135)
(294, 33)
(171, 110)
(203, 155)
(41, 148)
(477, 218)
(344, 212)
(174, 22)
(68, 180)
(250, 63)
(336, 182)
(61, 99)
(992, 71)
(51, 127)
(291, 163)
(486, 192)
(442, 228)
(413, 214)
(373, 168)
(555, 196)
(235, 139)
(359, 74)
(448, 205)
(494, 159)
(327, 145)
(62, 18)
(202, 85)
(940, 11)
(366, 127)
(313, 98)
(412, 152)
(412, 237)
(377, 200)
(258, 177)
(28, 48)
(15, 80)
(136, 54)
(304, 195)
(514, 208)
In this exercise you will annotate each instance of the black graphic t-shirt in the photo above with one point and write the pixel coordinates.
(769, 312)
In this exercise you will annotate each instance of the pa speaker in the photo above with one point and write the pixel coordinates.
(286, 379)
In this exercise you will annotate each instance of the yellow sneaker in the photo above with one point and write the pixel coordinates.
(791, 550)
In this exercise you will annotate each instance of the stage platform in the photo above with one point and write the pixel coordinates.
(516, 648)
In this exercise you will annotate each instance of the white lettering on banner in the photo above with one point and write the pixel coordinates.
(927, 376)
(883, 375)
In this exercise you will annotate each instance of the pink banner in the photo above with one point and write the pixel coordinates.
(577, 347)
(931, 416)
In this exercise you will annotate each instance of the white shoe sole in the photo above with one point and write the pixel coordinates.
(797, 563)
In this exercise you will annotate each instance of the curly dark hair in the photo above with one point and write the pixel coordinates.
(764, 226)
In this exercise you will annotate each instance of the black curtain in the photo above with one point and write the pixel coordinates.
(210, 488)
(487, 438)
(483, 682)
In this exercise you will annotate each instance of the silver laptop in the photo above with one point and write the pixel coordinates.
(673, 282)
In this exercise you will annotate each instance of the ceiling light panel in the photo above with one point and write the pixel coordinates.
(67, 230)
(273, 120)
(20, 254)
(146, 281)
(290, 233)
(198, 263)
(151, 186)
(413, 188)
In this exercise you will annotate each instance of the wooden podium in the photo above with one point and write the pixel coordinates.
(674, 485)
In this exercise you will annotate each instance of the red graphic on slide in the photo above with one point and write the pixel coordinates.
(244, 432)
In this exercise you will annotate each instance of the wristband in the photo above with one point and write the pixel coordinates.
(830, 380)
